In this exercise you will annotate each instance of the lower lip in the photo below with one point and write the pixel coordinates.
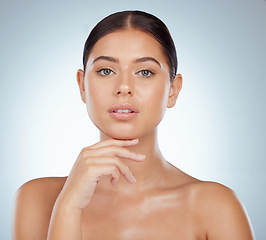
(123, 116)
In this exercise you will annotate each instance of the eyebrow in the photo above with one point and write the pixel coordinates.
(106, 58)
(115, 60)
(146, 59)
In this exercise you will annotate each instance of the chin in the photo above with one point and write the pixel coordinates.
(122, 135)
(126, 131)
(128, 134)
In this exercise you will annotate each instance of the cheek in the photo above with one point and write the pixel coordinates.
(156, 99)
(94, 98)
(94, 92)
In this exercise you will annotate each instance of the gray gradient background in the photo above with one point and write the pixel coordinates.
(215, 132)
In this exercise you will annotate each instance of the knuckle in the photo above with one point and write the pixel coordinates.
(85, 152)
(81, 155)
(116, 159)
(82, 152)
(113, 149)
(113, 167)
(116, 148)
(118, 162)
(88, 162)
(116, 172)
(91, 168)
(85, 149)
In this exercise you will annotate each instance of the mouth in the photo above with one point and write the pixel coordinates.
(123, 111)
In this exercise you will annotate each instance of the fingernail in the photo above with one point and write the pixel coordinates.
(133, 180)
(140, 156)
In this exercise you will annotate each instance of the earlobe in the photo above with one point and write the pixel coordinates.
(175, 88)
(80, 80)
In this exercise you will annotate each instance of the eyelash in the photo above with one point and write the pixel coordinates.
(150, 73)
(103, 69)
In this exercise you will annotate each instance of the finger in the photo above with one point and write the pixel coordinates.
(127, 175)
(113, 151)
(114, 181)
(114, 161)
(115, 142)
(115, 173)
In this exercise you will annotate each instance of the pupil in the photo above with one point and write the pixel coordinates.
(107, 71)
(145, 72)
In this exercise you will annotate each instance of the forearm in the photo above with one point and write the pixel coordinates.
(65, 222)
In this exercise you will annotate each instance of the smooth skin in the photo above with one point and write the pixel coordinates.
(100, 199)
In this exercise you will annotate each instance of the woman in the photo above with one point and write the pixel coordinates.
(122, 187)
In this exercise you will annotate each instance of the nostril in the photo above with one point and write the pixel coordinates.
(129, 92)
(124, 92)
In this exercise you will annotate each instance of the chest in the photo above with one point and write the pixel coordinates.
(142, 220)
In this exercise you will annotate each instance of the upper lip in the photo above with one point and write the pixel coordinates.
(123, 106)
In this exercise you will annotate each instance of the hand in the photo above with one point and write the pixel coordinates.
(96, 161)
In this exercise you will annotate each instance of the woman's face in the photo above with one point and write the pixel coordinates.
(126, 86)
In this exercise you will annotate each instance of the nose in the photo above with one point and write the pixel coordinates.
(125, 86)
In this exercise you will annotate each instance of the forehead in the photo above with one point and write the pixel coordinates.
(128, 44)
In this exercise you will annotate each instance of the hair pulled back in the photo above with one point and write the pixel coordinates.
(138, 20)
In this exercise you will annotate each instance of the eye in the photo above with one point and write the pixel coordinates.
(105, 71)
(146, 73)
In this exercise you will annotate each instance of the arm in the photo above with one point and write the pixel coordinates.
(34, 204)
(33, 212)
(65, 221)
(32, 209)
(93, 162)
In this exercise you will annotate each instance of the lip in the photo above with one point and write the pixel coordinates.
(123, 116)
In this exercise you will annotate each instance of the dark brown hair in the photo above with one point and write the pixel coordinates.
(138, 20)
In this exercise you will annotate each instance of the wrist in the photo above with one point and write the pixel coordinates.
(65, 221)
(66, 206)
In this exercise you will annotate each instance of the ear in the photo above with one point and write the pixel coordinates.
(175, 88)
(80, 80)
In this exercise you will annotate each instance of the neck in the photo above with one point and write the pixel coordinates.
(146, 172)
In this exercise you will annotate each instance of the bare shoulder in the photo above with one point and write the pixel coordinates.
(41, 190)
(33, 206)
(220, 212)
(41, 185)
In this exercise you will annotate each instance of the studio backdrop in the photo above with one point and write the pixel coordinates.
(216, 131)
